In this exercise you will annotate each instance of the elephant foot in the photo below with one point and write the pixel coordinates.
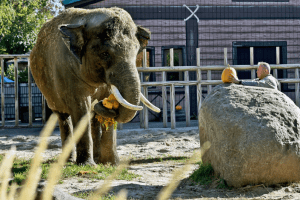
(87, 162)
(113, 160)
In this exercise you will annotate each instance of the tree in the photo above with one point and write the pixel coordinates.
(20, 22)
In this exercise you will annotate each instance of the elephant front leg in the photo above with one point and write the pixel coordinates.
(108, 146)
(84, 147)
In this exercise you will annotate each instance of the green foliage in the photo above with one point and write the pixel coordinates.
(204, 174)
(20, 22)
(10, 73)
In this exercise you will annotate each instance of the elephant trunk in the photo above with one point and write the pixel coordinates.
(126, 81)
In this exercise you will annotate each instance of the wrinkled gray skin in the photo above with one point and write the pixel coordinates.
(79, 54)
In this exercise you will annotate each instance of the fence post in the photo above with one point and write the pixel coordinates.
(277, 63)
(16, 92)
(43, 109)
(297, 87)
(199, 89)
(164, 98)
(187, 100)
(172, 93)
(145, 88)
(252, 62)
(29, 94)
(2, 93)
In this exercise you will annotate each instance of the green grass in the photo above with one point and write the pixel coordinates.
(204, 175)
(86, 195)
(21, 168)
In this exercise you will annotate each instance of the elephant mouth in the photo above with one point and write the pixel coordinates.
(105, 112)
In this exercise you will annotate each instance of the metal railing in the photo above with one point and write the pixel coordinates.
(16, 84)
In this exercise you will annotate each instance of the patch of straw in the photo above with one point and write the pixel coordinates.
(122, 195)
(5, 170)
(55, 171)
(105, 187)
(180, 173)
(12, 191)
(33, 177)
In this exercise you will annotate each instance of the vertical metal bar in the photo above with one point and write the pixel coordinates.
(297, 86)
(2, 93)
(252, 62)
(199, 88)
(277, 63)
(16, 92)
(172, 106)
(29, 94)
(43, 109)
(187, 100)
(146, 120)
(164, 98)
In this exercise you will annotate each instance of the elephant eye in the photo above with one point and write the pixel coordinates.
(105, 55)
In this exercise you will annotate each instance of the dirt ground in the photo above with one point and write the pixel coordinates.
(170, 147)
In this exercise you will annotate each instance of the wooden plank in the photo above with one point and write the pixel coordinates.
(43, 109)
(141, 112)
(277, 62)
(146, 120)
(16, 92)
(29, 94)
(172, 106)
(252, 62)
(199, 86)
(2, 93)
(120, 126)
(225, 57)
(238, 36)
(187, 100)
(209, 87)
(297, 87)
(172, 57)
(14, 56)
(164, 99)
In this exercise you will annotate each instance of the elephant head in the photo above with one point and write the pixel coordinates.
(106, 46)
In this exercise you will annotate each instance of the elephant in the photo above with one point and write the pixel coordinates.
(84, 55)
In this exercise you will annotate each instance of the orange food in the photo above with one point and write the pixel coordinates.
(227, 73)
(178, 107)
(110, 103)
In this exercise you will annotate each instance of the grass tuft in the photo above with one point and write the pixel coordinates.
(204, 175)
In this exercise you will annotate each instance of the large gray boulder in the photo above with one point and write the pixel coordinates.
(254, 134)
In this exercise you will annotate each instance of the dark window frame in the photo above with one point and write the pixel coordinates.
(282, 44)
(183, 49)
(151, 51)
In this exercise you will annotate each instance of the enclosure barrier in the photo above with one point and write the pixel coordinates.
(16, 83)
(199, 82)
(144, 121)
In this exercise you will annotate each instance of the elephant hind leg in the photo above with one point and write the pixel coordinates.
(66, 130)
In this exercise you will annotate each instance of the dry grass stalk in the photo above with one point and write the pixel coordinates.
(5, 170)
(33, 177)
(122, 195)
(105, 187)
(180, 173)
(56, 169)
(12, 191)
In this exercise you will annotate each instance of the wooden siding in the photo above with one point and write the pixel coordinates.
(162, 34)
(215, 35)
(109, 3)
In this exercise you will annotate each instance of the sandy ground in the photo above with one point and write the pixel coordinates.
(143, 146)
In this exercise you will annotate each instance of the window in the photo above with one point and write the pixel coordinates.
(263, 51)
(179, 60)
(150, 63)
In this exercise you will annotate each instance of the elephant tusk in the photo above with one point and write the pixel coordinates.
(148, 104)
(122, 101)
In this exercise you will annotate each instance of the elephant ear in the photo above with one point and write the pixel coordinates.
(72, 35)
(143, 35)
